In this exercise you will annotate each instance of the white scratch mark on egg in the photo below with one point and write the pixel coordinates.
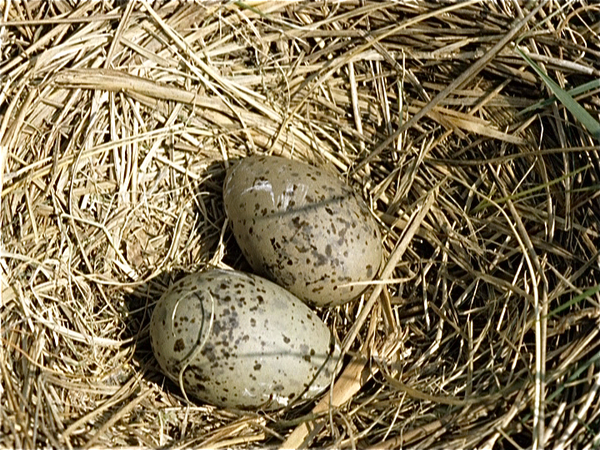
(261, 185)
(295, 192)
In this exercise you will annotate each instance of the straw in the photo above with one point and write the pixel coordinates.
(469, 129)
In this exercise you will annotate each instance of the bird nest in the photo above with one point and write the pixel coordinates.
(118, 120)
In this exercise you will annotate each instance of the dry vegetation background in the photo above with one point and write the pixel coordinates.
(118, 119)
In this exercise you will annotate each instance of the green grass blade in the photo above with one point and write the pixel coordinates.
(575, 300)
(594, 84)
(484, 203)
(565, 98)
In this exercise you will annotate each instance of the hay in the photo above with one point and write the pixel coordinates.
(117, 121)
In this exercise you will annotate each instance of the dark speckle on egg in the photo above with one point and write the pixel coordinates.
(308, 228)
(179, 345)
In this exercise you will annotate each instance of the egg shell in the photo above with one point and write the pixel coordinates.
(302, 228)
(264, 349)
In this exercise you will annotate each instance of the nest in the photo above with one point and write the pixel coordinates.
(118, 121)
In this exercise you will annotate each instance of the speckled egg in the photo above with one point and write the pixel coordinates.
(303, 228)
(242, 341)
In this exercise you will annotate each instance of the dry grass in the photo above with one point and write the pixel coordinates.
(118, 120)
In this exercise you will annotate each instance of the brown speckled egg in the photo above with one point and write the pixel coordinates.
(263, 348)
(303, 228)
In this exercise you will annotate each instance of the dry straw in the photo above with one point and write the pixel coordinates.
(118, 120)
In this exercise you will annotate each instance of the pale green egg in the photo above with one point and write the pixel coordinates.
(241, 341)
(302, 228)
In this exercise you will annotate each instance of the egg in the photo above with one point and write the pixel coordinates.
(303, 228)
(241, 341)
